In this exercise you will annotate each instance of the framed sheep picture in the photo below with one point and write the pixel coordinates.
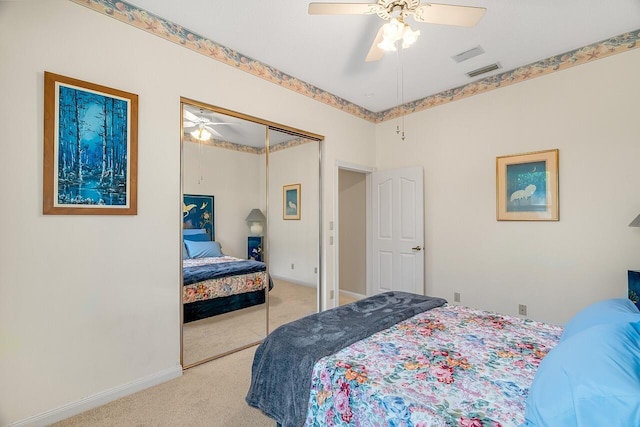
(527, 186)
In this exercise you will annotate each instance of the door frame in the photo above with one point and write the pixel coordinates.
(335, 233)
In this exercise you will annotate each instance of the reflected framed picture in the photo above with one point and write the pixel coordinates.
(291, 201)
(90, 160)
(197, 212)
(527, 186)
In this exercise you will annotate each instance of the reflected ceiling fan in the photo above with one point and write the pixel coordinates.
(202, 124)
(395, 11)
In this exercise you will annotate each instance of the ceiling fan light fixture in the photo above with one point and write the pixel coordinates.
(394, 31)
(409, 36)
(201, 134)
(387, 45)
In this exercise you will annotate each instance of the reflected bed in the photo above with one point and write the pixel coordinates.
(216, 285)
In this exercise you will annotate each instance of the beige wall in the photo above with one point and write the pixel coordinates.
(89, 305)
(294, 241)
(353, 228)
(590, 114)
(237, 182)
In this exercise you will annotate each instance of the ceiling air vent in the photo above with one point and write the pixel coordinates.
(471, 53)
(483, 70)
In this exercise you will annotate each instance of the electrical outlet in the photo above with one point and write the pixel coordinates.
(315, 270)
(330, 225)
(522, 310)
(330, 294)
(331, 240)
(292, 266)
(456, 297)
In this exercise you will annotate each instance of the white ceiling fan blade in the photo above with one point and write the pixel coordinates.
(446, 14)
(189, 124)
(213, 131)
(190, 116)
(375, 53)
(343, 8)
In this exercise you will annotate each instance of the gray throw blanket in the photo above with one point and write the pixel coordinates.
(283, 363)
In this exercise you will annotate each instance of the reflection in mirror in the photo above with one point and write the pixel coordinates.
(224, 181)
(294, 206)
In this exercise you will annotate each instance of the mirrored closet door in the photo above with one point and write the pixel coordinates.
(224, 181)
(294, 223)
(250, 225)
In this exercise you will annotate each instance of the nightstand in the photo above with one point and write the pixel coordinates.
(254, 248)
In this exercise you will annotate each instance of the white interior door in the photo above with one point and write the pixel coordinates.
(397, 201)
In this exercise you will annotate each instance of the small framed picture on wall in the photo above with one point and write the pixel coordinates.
(291, 201)
(527, 186)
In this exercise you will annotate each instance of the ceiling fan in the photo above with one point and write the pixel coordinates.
(395, 11)
(202, 124)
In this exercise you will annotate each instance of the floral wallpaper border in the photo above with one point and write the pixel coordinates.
(248, 149)
(170, 31)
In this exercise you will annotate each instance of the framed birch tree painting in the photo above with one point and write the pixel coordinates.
(90, 148)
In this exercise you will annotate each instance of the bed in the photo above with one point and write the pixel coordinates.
(450, 365)
(215, 283)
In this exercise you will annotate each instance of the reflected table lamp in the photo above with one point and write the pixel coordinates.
(255, 219)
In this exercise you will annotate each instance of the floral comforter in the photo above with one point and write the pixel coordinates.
(223, 286)
(449, 366)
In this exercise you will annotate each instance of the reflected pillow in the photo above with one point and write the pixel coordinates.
(185, 254)
(203, 249)
(620, 310)
(197, 234)
(591, 379)
(197, 237)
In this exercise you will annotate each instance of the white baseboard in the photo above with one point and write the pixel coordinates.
(98, 399)
(294, 281)
(352, 294)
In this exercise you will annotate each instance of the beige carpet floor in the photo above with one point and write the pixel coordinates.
(220, 334)
(211, 394)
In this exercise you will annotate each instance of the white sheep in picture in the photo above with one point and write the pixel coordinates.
(520, 195)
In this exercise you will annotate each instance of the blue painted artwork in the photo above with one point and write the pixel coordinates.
(254, 248)
(197, 212)
(526, 187)
(92, 150)
(291, 201)
(634, 287)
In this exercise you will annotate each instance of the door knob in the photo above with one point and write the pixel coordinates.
(417, 248)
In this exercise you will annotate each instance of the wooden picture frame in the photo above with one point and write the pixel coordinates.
(527, 186)
(291, 201)
(90, 161)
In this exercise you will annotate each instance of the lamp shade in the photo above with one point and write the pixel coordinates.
(255, 220)
(635, 222)
(256, 215)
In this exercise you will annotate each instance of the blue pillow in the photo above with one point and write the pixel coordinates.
(191, 231)
(197, 237)
(607, 311)
(197, 234)
(185, 254)
(591, 379)
(203, 249)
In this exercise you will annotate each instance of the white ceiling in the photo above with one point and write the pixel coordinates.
(329, 51)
